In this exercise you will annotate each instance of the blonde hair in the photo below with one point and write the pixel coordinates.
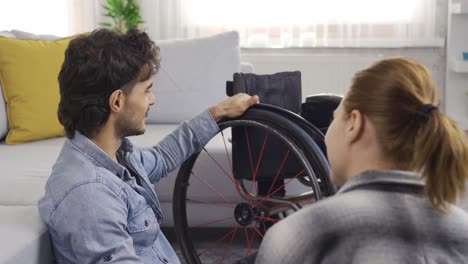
(397, 95)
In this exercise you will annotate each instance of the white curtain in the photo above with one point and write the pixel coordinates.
(297, 23)
(84, 15)
(261, 23)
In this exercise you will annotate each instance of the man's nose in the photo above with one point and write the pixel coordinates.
(152, 100)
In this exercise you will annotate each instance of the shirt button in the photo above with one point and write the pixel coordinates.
(146, 223)
(108, 258)
(165, 260)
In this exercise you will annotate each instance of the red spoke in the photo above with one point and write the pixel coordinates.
(214, 221)
(258, 161)
(278, 189)
(258, 231)
(213, 189)
(248, 242)
(279, 170)
(229, 245)
(250, 155)
(268, 218)
(230, 165)
(210, 203)
(218, 240)
(254, 186)
(261, 154)
(219, 165)
(250, 152)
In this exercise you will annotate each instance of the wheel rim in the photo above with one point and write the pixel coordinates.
(247, 214)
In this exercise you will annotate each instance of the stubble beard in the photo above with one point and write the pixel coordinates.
(127, 127)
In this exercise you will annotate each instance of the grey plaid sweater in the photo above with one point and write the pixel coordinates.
(376, 217)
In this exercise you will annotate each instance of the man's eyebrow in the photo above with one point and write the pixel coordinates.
(149, 86)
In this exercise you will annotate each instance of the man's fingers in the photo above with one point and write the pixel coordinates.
(253, 100)
(237, 104)
(249, 102)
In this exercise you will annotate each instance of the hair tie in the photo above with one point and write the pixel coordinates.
(427, 108)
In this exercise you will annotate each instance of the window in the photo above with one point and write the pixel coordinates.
(307, 23)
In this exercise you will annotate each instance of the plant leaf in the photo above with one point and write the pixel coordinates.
(125, 14)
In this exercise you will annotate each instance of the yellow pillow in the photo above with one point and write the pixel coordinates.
(28, 74)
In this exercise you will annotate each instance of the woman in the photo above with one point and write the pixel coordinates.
(401, 164)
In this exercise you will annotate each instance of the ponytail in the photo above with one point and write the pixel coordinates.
(441, 156)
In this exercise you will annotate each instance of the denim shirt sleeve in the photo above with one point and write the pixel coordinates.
(176, 147)
(92, 218)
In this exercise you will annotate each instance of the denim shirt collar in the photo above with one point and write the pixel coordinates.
(126, 146)
(389, 177)
(98, 156)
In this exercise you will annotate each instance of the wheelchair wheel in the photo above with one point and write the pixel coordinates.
(242, 207)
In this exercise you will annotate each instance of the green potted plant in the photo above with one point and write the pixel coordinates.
(125, 14)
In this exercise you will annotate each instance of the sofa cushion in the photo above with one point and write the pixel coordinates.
(193, 75)
(24, 237)
(24, 185)
(28, 73)
(25, 169)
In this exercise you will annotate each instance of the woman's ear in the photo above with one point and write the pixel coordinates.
(116, 100)
(354, 126)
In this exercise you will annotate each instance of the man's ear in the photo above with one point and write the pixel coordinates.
(116, 100)
(354, 126)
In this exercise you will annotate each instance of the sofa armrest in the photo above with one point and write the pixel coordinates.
(247, 67)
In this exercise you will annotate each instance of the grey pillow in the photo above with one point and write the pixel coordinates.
(193, 76)
(27, 35)
(6, 33)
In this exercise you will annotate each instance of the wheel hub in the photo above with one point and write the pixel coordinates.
(244, 214)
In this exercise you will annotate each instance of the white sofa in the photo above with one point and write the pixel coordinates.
(192, 77)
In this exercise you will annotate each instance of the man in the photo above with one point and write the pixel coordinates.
(100, 205)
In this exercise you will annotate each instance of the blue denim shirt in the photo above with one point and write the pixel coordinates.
(102, 211)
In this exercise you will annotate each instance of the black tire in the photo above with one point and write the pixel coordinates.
(295, 133)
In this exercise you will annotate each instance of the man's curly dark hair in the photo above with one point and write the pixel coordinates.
(95, 66)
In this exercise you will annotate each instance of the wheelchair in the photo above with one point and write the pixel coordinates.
(274, 164)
